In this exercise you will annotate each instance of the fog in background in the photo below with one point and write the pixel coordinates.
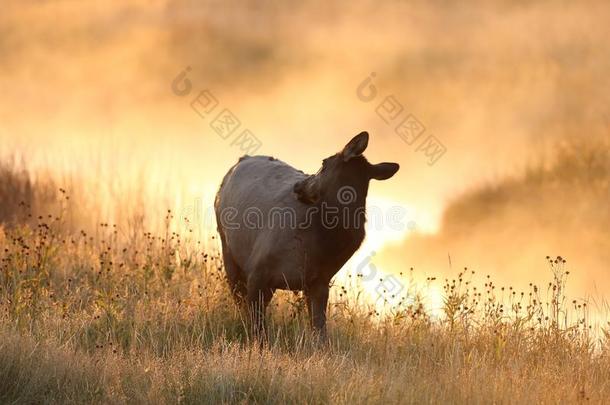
(517, 92)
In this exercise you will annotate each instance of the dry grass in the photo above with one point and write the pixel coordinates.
(17, 188)
(125, 316)
(116, 314)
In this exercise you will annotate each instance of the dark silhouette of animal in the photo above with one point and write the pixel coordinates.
(283, 229)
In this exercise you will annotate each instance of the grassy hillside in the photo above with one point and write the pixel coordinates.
(569, 190)
(559, 203)
(121, 315)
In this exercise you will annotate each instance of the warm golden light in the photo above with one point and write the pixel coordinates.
(497, 113)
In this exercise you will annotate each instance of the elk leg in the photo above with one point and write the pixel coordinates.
(259, 296)
(317, 299)
(235, 279)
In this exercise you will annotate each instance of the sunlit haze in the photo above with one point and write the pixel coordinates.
(87, 100)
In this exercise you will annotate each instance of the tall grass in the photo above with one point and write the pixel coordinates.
(126, 316)
(19, 190)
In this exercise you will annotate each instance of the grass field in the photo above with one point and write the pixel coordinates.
(125, 316)
(108, 297)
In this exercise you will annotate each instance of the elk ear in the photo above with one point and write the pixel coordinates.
(307, 190)
(356, 146)
(383, 171)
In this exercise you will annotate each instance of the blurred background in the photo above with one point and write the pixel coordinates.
(517, 92)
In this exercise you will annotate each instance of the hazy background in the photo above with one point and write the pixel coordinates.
(518, 92)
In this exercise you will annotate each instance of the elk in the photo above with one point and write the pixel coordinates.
(282, 229)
